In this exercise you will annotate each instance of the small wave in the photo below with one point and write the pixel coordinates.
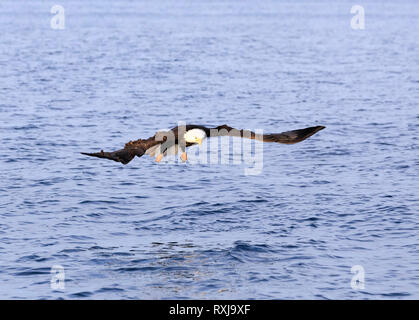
(34, 271)
(32, 257)
(82, 294)
(106, 290)
(98, 202)
(134, 269)
(396, 294)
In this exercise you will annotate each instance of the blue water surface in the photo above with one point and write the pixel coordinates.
(122, 70)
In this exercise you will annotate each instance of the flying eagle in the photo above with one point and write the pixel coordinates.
(184, 136)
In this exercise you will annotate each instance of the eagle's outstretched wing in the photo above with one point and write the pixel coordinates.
(287, 137)
(131, 149)
(124, 155)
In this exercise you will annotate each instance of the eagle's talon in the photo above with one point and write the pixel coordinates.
(159, 157)
(184, 157)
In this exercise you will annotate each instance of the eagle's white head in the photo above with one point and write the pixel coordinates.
(195, 136)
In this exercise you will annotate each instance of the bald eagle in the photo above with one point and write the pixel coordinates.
(184, 136)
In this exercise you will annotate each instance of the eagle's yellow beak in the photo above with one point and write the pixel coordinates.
(199, 141)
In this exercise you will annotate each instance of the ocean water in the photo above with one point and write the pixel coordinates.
(348, 196)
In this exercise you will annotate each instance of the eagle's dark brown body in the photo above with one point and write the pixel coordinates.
(175, 137)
